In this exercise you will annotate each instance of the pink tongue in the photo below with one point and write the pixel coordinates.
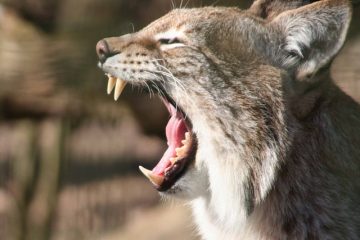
(175, 132)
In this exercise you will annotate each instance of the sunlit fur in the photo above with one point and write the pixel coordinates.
(278, 144)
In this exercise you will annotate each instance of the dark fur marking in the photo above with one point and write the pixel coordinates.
(232, 110)
(227, 134)
(269, 116)
(249, 195)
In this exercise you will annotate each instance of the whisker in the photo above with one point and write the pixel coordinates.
(176, 80)
(162, 81)
(163, 72)
(147, 86)
(169, 74)
(186, 4)
(133, 27)
(177, 83)
(214, 3)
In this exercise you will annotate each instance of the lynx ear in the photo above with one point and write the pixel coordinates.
(268, 9)
(310, 36)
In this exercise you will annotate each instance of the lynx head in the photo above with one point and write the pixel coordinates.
(226, 76)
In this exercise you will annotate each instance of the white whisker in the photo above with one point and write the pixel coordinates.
(147, 86)
(186, 4)
(164, 75)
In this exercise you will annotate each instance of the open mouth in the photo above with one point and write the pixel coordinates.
(181, 141)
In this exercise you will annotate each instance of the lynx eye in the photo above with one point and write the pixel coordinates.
(169, 41)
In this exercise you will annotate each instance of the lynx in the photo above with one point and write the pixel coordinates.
(261, 142)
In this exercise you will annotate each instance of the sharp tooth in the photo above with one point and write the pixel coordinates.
(111, 84)
(119, 87)
(179, 152)
(187, 139)
(154, 179)
(173, 160)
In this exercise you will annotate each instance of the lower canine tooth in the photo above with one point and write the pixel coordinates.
(119, 87)
(111, 84)
(154, 179)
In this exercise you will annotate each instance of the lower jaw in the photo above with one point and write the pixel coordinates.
(180, 154)
(179, 169)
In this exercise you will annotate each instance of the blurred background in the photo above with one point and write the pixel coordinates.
(68, 152)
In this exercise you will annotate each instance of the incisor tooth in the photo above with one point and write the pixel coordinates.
(180, 151)
(154, 179)
(111, 84)
(119, 87)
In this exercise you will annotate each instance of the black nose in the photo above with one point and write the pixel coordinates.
(103, 51)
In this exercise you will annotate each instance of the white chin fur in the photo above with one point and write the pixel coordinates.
(193, 184)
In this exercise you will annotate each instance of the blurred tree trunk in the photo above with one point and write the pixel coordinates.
(37, 171)
(23, 166)
(40, 213)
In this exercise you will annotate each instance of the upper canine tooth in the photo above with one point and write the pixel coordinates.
(154, 179)
(111, 84)
(119, 87)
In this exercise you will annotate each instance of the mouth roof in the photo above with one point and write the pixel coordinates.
(181, 142)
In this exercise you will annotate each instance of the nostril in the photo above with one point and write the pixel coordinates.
(102, 50)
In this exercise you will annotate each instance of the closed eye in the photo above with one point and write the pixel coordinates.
(165, 41)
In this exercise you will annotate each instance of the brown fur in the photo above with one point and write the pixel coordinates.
(278, 154)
